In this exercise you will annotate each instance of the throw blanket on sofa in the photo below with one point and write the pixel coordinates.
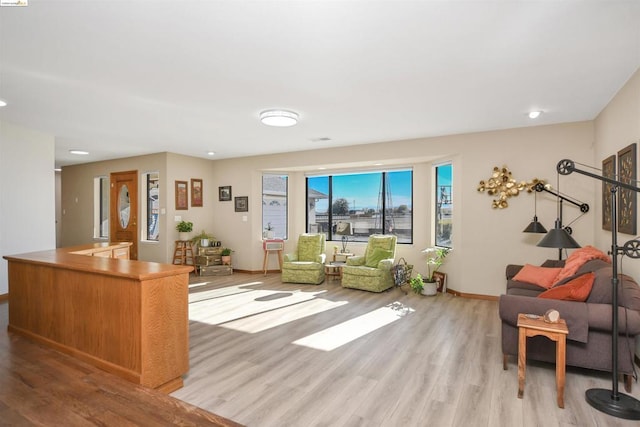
(577, 260)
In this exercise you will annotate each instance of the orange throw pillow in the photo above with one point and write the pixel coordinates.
(577, 260)
(577, 289)
(541, 276)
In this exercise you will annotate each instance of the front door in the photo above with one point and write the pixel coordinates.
(123, 224)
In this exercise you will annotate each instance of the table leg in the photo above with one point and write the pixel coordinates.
(264, 262)
(560, 367)
(522, 360)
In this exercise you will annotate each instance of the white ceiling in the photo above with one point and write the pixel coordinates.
(123, 78)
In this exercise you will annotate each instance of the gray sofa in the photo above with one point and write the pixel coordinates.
(589, 322)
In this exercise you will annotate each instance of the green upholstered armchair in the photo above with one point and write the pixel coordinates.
(372, 271)
(306, 265)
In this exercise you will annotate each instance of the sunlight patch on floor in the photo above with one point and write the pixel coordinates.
(338, 335)
(224, 307)
(271, 319)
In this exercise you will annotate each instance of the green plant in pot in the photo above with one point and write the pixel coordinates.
(416, 283)
(435, 259)
(226, 256)
(184, 228)
(203, 238)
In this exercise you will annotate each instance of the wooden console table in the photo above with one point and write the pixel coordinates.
(531, 327)
(126, 317)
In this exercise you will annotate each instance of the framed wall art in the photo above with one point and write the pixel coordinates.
(242, 203)
(224, 193)
(196, 192)
(627, 206)
(608, 171)
(182, 195)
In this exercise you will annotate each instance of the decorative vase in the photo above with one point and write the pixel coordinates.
(429, 288)
(226, 259)
(204, 243)
(184, 235)
(270, 234)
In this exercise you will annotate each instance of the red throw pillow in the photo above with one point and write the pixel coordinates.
(577, 289)
(541, 276)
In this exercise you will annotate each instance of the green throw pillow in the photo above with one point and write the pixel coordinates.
(376, 256)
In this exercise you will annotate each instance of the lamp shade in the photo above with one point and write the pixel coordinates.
(558, 238)
(535, 227)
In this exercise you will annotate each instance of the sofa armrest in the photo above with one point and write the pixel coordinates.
(574, 313)
(355, 260)
(290, 257)
(385, 264)
(600, 319)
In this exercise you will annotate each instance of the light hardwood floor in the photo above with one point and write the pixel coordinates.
(264, 353)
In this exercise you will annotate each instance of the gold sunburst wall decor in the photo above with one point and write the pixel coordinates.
(503, 186)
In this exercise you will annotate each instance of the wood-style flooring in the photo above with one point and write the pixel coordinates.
(264, 353)
(41, 387)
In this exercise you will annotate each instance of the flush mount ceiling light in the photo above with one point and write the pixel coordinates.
(279, 118)
(211, 153)
(3, 103)
(534, 114)
(79, 152)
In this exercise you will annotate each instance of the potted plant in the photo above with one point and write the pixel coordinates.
(416, 283)
(203, 239)
(268, 231)
(184, 229)
(435, 258)
(226, 256)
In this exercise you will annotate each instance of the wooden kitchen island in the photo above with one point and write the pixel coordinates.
(127, 317)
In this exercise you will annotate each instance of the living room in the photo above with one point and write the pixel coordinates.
(485, 240)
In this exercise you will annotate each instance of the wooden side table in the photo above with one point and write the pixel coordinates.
(531, 327)
(334, 269)
(272, 245)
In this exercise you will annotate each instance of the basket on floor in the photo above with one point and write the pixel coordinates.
(402, 272)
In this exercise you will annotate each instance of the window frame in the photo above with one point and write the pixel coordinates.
(266, 218)
(99, 207)
(437, 210)
(146, 208)
(384, 176)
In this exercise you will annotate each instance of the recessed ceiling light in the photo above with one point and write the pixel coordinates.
(211, 153)
(321, 169)
(534, 114)
(279, 118)
(3, 103)
(79, 152)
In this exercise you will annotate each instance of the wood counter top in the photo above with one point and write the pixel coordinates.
(75, 258)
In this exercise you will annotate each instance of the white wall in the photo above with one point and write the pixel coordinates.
(485, 240)
(617, 126)
(27, 190)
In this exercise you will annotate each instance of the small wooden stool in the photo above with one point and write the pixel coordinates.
(183, 253)
(531, 327)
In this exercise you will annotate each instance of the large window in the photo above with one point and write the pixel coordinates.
(351, 207)
(443, 205)
(151, 206)
(101, 207)
(274, 205)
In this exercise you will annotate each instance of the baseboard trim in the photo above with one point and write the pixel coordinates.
(472, 296)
